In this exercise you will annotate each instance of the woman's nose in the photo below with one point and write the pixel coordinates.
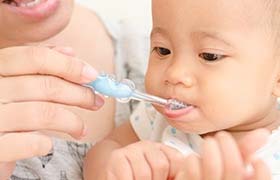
(180, 72)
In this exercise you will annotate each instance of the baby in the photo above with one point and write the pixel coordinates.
(221, 58)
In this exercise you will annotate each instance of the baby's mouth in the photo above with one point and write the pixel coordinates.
(175, 105)
(23, 3)
(176, 111)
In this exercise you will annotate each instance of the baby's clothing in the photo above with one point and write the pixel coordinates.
(149, 124)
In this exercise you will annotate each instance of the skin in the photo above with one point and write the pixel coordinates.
(236, 92)
(27, 30)
(233, 96)
(99, 55)
(43, 69)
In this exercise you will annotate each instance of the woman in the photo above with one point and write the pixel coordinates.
(40, 80)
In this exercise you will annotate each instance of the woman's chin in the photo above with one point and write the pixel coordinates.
(24, 27)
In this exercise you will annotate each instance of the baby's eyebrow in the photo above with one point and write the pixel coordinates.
(210, 34)
(157, 30)
(199, 35)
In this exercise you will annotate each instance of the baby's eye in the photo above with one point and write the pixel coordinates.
(162, 51)
(211, 56)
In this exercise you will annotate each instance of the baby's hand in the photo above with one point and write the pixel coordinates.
(144, 160)
(224, 158)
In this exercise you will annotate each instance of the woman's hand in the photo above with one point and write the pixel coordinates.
(34, 83)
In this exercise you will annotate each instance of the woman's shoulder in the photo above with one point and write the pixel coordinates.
(88, 36)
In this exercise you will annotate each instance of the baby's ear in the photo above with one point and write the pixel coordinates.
(276, 90)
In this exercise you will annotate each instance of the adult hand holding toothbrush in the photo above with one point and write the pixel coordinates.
(35, 82)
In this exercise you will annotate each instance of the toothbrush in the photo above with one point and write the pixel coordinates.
(125, 90)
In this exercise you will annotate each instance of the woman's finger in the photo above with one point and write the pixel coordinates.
(69, 51)
(48, 88)
(6, 169)
(42, 60)
(65, 50)
(33, 116)
(15, 146)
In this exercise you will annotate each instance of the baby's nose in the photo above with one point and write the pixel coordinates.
(180, 73)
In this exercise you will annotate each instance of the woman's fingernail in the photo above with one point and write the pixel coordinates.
(98, 101)
(89, 73)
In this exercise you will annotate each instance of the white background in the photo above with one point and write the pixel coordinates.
(120, 9)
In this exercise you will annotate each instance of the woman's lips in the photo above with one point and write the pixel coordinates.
(174, 114)
(42, 10)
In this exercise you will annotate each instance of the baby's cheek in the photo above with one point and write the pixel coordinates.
(149, 86)
(218, 108)
(149, 79)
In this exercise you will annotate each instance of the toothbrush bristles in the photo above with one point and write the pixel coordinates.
(174, 104)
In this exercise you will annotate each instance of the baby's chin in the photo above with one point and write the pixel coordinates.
(199, 127)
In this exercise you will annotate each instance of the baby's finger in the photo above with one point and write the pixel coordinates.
(26, 60)
(231, 157)
(261, 171)
(191, 169)
(119, 167)
(212, 165)
(48, 88)
(16, 146)
(33, 116)
(257, 139)
(176, 159)
(138, 162)
(158, 162)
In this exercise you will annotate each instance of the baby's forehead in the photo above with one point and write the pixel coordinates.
(248, 9)
(232, 21)
(230, 14)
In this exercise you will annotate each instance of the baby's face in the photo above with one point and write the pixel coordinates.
(216, 56)
(24, 21)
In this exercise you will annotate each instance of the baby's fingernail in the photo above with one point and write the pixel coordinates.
(89, 73)
(249, 171)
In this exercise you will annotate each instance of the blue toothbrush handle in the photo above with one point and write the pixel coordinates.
(125, 90)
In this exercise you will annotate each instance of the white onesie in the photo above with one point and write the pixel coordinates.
(148, 124)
